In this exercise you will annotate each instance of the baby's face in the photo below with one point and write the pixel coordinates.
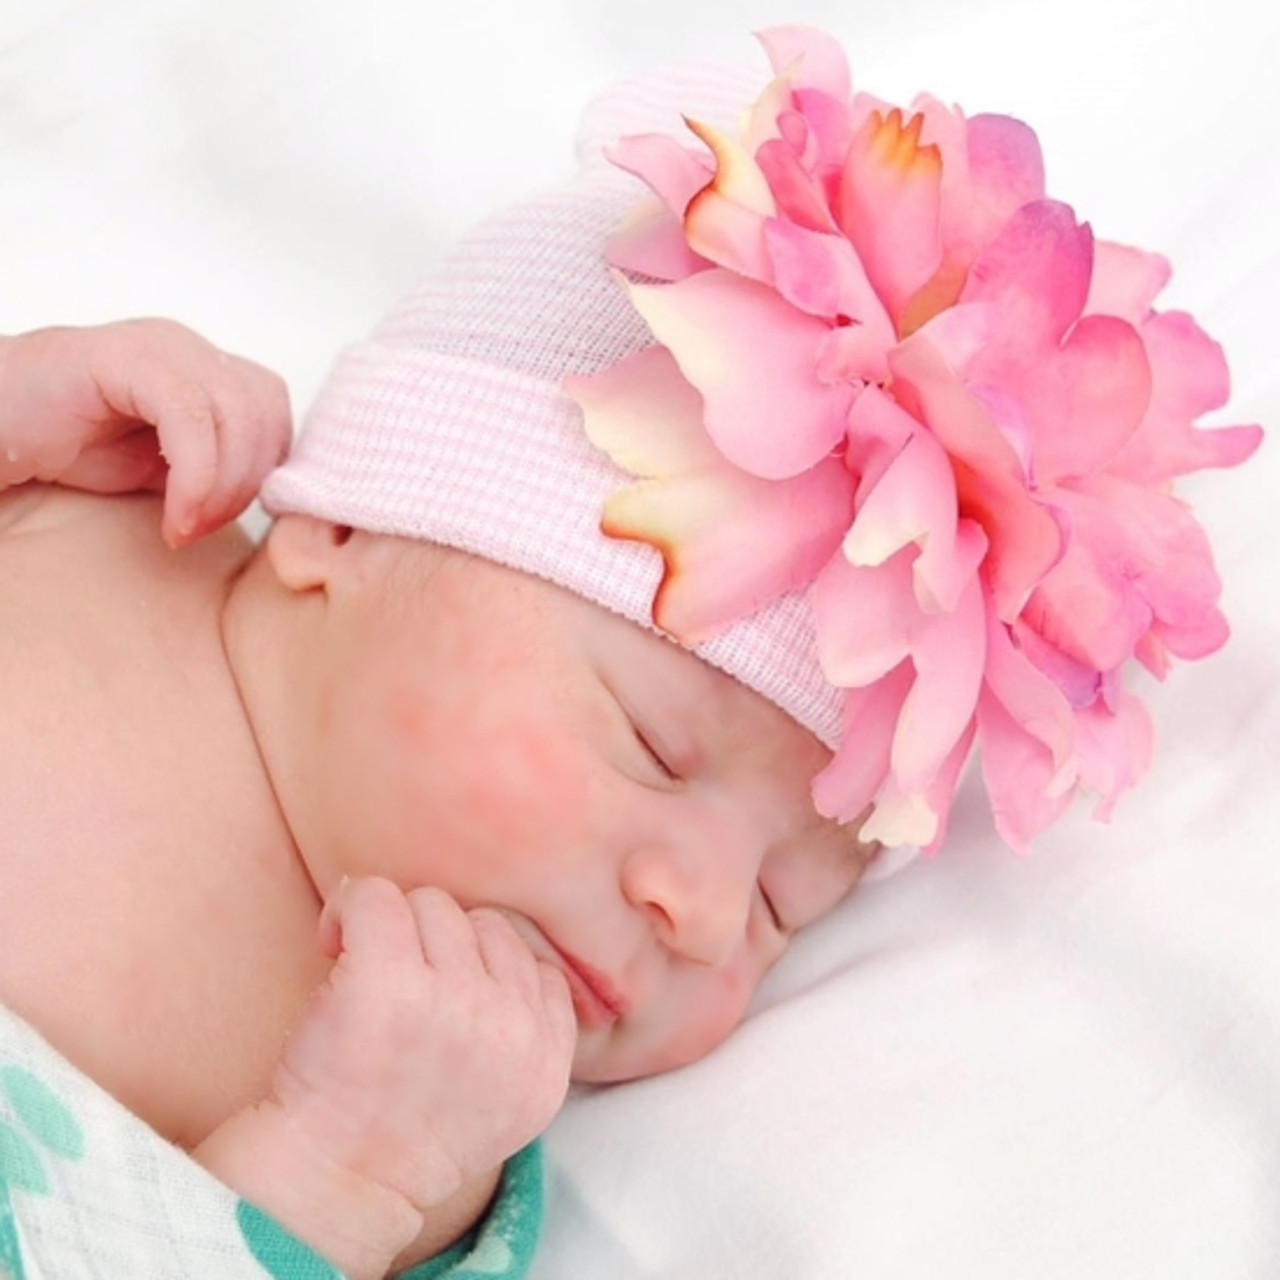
(643, 819)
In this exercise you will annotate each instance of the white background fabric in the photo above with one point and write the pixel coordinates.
(1060, 1066)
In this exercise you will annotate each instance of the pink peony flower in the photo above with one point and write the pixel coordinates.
(890, 371)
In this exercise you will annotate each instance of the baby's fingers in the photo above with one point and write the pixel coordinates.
(368, 923)
(253, 426)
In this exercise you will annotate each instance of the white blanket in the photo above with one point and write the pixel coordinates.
(986, 1067)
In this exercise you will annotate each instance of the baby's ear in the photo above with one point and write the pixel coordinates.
(304, 551)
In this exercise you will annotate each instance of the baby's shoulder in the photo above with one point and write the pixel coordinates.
(103, 550)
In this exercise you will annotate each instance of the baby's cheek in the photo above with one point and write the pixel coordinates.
(706, 1018)
(520, 785)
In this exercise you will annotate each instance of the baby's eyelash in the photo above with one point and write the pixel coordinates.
(654, 754)
(771, 909)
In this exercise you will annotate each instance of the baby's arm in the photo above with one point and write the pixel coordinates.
(438, 1047)
(141, 405)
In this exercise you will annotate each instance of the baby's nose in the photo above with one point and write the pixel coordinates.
(697, 899)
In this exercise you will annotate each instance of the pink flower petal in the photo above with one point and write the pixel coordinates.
(731, 542)
(851, 353)
(866, 618)
(751, 355)
(1115, 750)
(644, 414)
(1030, 698)
(889, 206)
(1037, 271)
(651, 242)
(941, 791)
(867, 622)
(900, 818)
(1136, 555)
(799, 196)
(914, 501)
(1085, 400)
(1006, 171)
(1024, 534)
(673, 172)
(1125, 281)
(1078, 680)
(822, 275)
(1018, 771)
(810, 58)
(724, 222)
(849, 783)
(1190, 378)
(948, 653)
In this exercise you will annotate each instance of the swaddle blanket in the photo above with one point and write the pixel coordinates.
(88, 1190)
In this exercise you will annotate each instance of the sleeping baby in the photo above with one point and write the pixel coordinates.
(653, 569)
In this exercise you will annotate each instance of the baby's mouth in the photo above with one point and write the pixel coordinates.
(597, 1003)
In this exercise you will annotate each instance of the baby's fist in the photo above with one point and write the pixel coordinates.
(438, 1047)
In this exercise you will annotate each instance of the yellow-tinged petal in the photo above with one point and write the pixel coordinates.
(730, 541)
(645, 415)
(738, 178)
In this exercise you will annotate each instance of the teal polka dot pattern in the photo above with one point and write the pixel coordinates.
(42, 1113)
(10, 1259)
(36, 1120)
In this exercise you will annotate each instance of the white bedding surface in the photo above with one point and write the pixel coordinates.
(1058, 1066)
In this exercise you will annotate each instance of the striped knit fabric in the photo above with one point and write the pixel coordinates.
(449, 423)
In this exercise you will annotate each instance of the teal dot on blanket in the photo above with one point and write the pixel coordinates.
(20, 1165)
(281, 1255)
(10, 1254)
(42, 1113)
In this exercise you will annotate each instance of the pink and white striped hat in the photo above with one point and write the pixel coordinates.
(450, 422)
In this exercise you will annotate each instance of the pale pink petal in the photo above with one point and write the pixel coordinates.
(763, 123)
(851, 353)
(849, 783)
(1191, 640)
(1189, 379)
(834, 122)
(1115, 750)
(644, 414)
(900, 818)
(810, 58)
(731, 542)
(821, 274)
(941, 791)
(1079, 681)
(913, 501)
(724, 221)
(673, 172)
(650, 241)
(1006, 172)
(1024, 534)
(800, 197)
(1084, 401)
(1034, 701)
(1086, 608)
(1019, 772)
(1125, 281)
(1136, 555)
(889, 206)
(948, 652)
(1037, 271)
(866, 619)
(751, 355)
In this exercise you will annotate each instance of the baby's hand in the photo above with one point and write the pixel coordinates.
(141, 405)
(438, 1047)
